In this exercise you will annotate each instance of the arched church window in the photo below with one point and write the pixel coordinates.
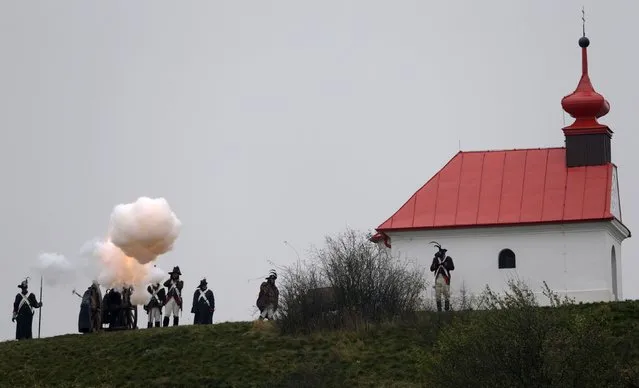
(506, 259)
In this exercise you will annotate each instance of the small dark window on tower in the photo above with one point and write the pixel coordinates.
(506, 259)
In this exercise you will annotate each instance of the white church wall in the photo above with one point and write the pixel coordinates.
(573, 259)
(614, 241)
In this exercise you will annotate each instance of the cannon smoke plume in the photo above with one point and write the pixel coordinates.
(144, 229)
(55, 268)
(138, 233)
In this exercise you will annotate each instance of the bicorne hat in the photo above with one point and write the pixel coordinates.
(176, 270)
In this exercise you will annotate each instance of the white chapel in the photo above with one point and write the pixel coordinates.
(539, 214)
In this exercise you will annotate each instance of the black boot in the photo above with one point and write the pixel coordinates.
(166, 322)
(149, 325)
(157, 324)
(439, 305)
(447, 305)
(176, 320)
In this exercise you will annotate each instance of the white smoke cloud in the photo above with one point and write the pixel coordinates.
(138, 233)
(55, 269)
(117, 270)
(144, 229)
(140, 296)
(156, 275)
(88, 260)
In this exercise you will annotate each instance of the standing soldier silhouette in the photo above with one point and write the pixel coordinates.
(203, 305)
(173, 304)
(441, 266)
(23, 312)
(154, 307)
(268, 299)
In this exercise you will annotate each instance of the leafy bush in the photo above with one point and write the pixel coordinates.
(347, 283)
(513, 342)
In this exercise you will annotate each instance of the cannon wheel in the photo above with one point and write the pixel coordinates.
(133, 318)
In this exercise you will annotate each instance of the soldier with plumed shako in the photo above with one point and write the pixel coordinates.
(23, 310)
(441, 266)
(268, 298)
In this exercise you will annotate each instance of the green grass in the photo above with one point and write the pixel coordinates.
(248, 355)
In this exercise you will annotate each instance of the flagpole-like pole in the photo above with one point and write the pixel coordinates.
(40, 309)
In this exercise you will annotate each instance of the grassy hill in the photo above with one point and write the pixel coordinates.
(249, 354)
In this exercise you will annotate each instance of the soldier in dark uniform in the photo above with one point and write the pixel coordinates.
(154, 307)
(90, 318)
(203, 305)
(117, 303)
(23, 307)
(442, 266)
(128, 310)
(113, 304)
(96, 306)
(268, 299)
(173, 304)
(107, 316)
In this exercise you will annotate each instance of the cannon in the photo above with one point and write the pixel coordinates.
(118, 312)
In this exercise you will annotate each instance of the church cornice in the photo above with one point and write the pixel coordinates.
(618, 230)
(612, 226)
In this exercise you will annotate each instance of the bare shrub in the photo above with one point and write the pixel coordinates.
(465, 301)
(347, 283)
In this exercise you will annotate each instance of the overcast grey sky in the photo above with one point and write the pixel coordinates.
(266, 121)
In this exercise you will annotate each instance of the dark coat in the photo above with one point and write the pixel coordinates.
(203, 307)
(96, 307)
(174, 292)
(442, 268)
(23, 314)
(118, 309)
(156, 301)
(84, 318)
(269, 294)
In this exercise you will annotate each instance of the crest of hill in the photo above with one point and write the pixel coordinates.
(249, 354)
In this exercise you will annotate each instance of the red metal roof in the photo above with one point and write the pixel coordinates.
(483, 188)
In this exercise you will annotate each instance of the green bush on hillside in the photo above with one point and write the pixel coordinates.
(515, 343)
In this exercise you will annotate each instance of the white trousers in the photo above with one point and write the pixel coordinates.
(268, 312)
(171, 308)
(155, 315)
(441, 288)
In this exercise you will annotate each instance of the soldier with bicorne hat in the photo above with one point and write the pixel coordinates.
(203, 304)
(173, 304)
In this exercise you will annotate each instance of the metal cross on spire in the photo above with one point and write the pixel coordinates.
(583, 20)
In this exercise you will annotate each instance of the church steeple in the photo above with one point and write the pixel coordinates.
(587, 141)
(585, 104)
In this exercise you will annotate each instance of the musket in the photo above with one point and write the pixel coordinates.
(75, 293)
(40, 309)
